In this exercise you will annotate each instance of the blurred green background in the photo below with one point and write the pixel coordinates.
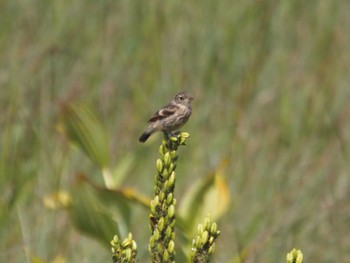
(271, 115)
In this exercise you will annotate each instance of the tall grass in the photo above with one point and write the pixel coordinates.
(270, 81)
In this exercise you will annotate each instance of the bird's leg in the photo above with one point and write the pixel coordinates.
(168, 134)
(174, 133)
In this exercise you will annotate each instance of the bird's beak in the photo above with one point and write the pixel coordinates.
(191, 98)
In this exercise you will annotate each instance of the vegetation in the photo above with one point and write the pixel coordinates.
(268, 156)
(163, 217)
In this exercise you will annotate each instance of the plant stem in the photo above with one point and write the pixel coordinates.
(162, 217)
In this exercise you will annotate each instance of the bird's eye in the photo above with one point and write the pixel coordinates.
(181, 97)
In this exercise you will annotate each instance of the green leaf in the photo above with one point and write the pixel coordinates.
(122, 169)
(209, 195)
(114, 203)
(99, 212)
(82, 127)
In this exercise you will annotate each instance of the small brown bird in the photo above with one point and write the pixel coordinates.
(171, 117)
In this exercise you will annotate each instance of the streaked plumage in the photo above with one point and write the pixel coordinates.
(171, 117)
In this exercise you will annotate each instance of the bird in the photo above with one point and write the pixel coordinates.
(171, 117)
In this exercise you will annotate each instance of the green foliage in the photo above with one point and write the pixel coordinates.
(162, 216)
(84, 129)
(96, 210)
(270, 81)
(91, 216)
(206, 195)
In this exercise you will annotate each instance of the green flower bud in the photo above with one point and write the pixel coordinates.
(207, 222)
(205, 236)
(211, 240)
(153, 207)
(169, 198)
(161, 196)
(168, 232)
(156, 200)
(126, 243)
(182, 141)
(128, 254)
(166, 256)
(185, 134)
(133, 245)
(160, 248)
(171, 211)
(295, 256)
(213, 228)
(173, 139)
(165, 173)
(299, 258)
(171, 168)
(167, 159)
(166, 186)
(151, 242)
(172, 154)
(161, 150)
(161, 223)
(156, 234)
(171, 246)
(211, 249)
(159, 165)
(172, 179)
(198, 241)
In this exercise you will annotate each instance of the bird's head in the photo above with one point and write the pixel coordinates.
(183, 98)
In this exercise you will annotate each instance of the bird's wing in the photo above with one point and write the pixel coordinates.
(164, 112)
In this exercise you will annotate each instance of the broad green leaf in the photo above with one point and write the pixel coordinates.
(122, 169)
(107, 206)
(93, 215)
(126, 195)
(83, 128)
(206, 196)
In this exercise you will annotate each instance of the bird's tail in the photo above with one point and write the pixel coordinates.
(144, 136)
